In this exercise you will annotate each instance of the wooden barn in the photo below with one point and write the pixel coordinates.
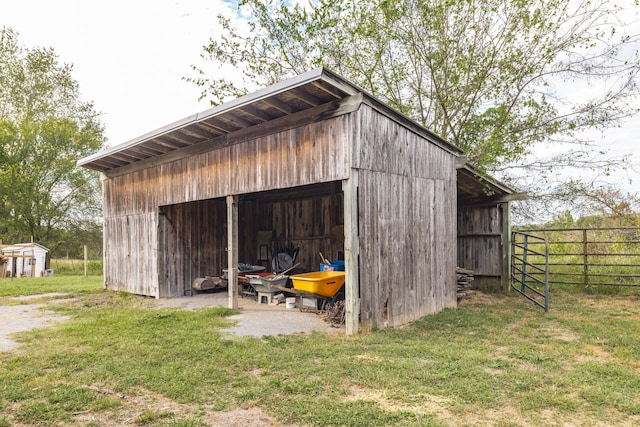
(311, 162)
(483, 228)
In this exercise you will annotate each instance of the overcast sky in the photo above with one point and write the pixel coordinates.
(130, 57)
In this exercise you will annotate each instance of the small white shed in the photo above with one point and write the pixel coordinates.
(24, 259)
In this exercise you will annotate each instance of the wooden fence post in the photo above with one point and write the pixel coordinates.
(585, 257)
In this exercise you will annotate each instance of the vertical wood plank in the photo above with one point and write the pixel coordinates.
(351, 254)
(506, 245)
(232, 250)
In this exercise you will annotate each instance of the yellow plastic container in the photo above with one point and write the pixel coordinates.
(325, 283)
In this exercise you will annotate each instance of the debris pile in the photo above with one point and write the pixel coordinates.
(465, 277)
(335, 313)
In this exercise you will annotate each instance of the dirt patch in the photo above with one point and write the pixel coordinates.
(255, 319)
(252, 417)
(425, 403)
(50, 295)
(24, 317)
(141, 403)
(480, 298)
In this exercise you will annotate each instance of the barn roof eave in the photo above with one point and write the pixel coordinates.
(328, 84)
(476, 188)
(211, 112)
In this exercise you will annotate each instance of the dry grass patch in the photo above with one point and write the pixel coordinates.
(420, 403)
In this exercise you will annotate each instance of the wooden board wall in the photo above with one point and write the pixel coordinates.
(132, 265)
(480, 244)
(194, 243)
(407, 206)
(304, 155)
(314, 224)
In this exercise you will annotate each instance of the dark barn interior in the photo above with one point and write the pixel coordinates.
(194, 234)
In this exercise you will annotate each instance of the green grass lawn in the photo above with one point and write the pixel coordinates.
(494, 361)
(41, 285)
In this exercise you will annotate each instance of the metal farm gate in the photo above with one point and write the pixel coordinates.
(578, 257)
(530, 268)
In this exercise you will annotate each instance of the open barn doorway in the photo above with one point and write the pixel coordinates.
(192, 237)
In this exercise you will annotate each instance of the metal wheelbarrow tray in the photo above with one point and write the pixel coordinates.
(265, 283)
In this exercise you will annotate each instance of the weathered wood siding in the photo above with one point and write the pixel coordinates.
(130, 242)
(407, 211)
(480, 244)
(314, 224)
(194, 242)
(304, 155)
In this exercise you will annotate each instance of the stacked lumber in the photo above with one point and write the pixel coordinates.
(465, 277)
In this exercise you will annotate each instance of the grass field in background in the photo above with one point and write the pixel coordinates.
(75, 267)
(494, 361)
(42, 285)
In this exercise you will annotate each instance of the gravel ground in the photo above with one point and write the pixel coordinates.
(19, 318)
(256, 319)
(253, 320)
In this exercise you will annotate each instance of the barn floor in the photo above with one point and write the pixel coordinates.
(255, 319)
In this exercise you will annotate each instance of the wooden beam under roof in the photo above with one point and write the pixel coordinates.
(125, 157)
(182, 137)
(257, 113)
(335, 93)
(138, 154)
(236, 119)
(279, 105)
(305, 97)
(154, 151)
(211, 130)
(490, 200)
(107, 164)
(160, 140)
(197, 132)
(221, 126)
(156, 145)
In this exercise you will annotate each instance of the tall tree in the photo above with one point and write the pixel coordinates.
(44, 129)
(498, 78)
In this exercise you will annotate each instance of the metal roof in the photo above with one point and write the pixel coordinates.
(17, 247)
(299, 93)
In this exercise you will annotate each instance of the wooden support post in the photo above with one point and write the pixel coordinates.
(160, 253)
(232, 250)
(585, 258)
(506, 246)
(103, 178)
(351, 254)
(86, 269)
